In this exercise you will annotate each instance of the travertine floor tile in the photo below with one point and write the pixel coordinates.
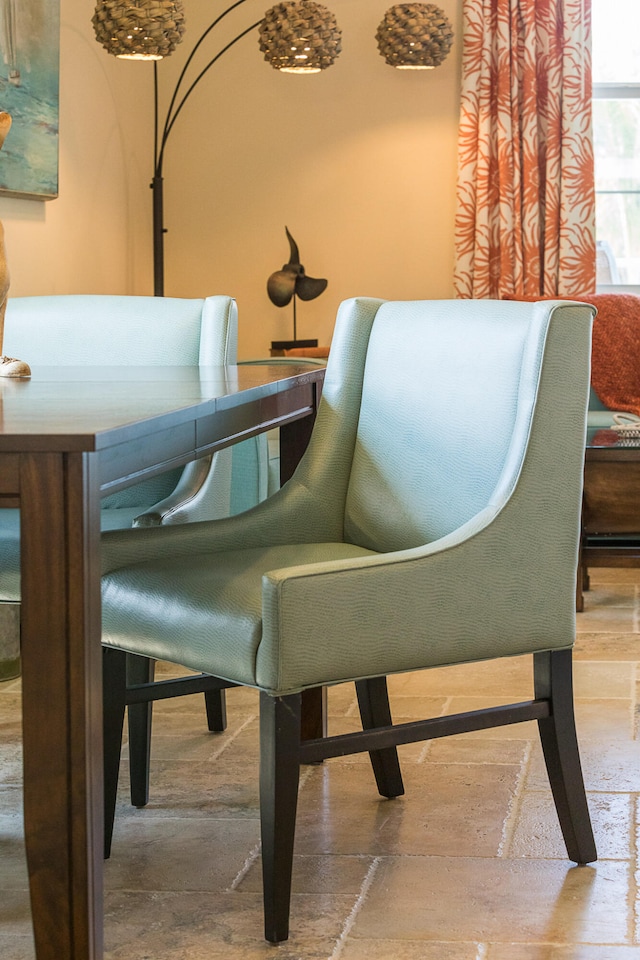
(225, 926)
(15, 914)
(10, 800)
(607, 766)
(615, 574)
(605, 719)
(407, 950)
(492, 900)
(13, 875)
(316, 875)
(613, 593)
(554, 951)
(603, 680)
(16, 948)
(456, 809)
(228, 788)
(179, 854)
(537, 832)
(10, 763)
(509, 678)
(607, 646)
(597, 619)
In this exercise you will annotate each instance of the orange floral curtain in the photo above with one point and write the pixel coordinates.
(525, 221)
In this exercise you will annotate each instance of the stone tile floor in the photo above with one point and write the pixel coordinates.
(469, 865)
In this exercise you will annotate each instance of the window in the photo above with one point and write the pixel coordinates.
(616, 132)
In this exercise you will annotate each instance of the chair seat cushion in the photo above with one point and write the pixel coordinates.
(206, 614)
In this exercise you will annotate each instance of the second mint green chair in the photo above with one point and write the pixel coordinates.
(104, 330)
(433, 520)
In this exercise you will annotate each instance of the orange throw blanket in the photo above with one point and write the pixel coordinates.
(615, 353)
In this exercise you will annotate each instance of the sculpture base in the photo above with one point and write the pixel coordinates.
(10, 367)
(278, 347)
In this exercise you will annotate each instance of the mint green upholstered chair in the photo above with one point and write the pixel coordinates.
(433, 520)
(104, 330)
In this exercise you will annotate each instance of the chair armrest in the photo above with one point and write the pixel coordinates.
(202, 493)
(291, 515)
(415, 591)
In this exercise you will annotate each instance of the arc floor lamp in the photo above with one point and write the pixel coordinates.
(300, 37)
(295, 36)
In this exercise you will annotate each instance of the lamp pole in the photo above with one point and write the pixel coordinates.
(176, 104)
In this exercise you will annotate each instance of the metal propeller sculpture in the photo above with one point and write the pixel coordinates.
(292, 282)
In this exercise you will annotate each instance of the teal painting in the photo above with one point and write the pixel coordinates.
(29, 91)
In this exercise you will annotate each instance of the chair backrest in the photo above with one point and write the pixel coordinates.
(448, 396)
(105, 330)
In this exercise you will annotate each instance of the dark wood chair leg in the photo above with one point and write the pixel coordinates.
(373, 702)
(215, 703)
(279, 776)
(139, 718)
(553, 680)
(582, 577)
(586, 580)
(314, 713)
(114, 673)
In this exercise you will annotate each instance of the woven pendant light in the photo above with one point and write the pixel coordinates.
(300, 36)
(139, 29)
(414, 36)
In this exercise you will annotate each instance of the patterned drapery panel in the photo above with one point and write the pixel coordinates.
(525, 221)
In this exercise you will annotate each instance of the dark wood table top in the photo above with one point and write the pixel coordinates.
(116, 412)
(72, 403)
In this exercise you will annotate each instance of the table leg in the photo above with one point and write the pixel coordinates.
(62, 715)
(294, 438)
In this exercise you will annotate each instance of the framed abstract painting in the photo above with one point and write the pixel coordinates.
(29, 91)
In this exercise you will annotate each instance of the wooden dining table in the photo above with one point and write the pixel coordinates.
(69, 436)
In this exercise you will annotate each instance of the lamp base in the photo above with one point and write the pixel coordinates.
(278, 347)
(10, 367)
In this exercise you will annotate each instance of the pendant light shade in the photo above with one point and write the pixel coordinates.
(414, 36)
(300, 36)
(139, 29)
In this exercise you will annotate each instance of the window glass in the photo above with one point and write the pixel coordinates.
(616, 133)
(616, 41)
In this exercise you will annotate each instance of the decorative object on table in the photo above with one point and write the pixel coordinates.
(627, 425)
(288, 284)
(414, 36)
(139, 29)
(9, 366)
(314, 51)
(29, 76)
(306, 30)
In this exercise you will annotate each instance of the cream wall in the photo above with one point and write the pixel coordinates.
(94, 236)
(359, 162)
